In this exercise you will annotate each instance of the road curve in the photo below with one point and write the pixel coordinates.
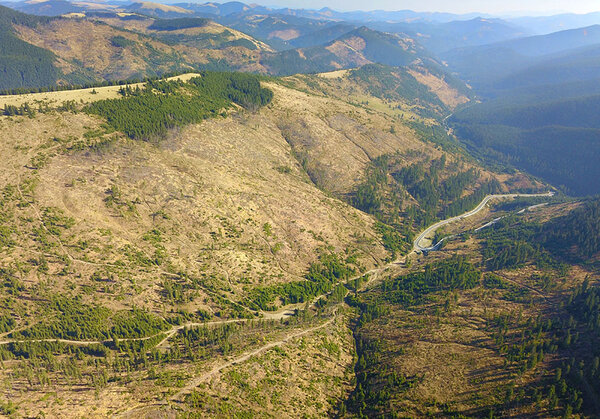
(417, 243)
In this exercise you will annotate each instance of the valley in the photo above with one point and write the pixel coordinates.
(230, 210)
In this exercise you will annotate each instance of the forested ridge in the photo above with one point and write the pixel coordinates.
(575, 236)
(564, 156)
(149, 112)
(570, 238)
(23, 64)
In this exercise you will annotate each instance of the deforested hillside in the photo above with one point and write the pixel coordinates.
(108, 46)
(500, 312)
(208, 224)
(40, 52)
(153, 260)
(142, 48)
(355, 48)
(237, 211)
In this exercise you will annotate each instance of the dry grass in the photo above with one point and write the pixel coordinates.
(210, 189)
(79, 96)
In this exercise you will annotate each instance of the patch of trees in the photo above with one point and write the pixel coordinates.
(572, 385)
(23, 64)
(448, 275)
(150, 112)
(396, 83)
(24, 109)
(511, 243)
(436, 134)
(387, 183)
(321, 278)
(120, 41)
(377, 380)
(73, 320)
(178, 23)
(575, 236)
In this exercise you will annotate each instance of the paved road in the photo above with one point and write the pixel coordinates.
(430, 230)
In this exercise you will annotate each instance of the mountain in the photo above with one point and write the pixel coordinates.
(47, 8)
(198, 33)
(158, 10)
(223, 9)
(275, 29)
(376, 15)
(548, 24)
(322, 36)
(576, 66)
(342, 227)
(358, 47)
(542, 119)
(537, 114)
(489, 63)
(172, 227)
(442, 37)
(41, 51)
(134, 46)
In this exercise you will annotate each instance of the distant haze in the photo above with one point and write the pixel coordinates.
(458, 6)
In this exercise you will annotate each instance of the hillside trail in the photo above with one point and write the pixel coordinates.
(179, 397)
(371, 275)
(247, 355)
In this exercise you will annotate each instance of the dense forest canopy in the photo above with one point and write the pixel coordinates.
(149, 112)
(23, 64)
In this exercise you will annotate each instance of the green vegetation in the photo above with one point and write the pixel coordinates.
(179, 23)
(397, 84)
(437, 187)
(24, 109)
(378, 381)
(563, 156)
(120, 41)
(148, 113)
(511, 243)
(379, 47)
(321, 278)
(71, 319)
(23, 64)
(448, 275)
(576, 236)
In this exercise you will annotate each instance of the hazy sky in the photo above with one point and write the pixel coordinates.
(454, 6)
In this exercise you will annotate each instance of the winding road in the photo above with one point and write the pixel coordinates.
(289, 310)
(417, 247)
(280, 314)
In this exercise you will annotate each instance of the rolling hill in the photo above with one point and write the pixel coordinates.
(242, 244)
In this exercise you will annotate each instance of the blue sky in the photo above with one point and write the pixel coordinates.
(454, 6)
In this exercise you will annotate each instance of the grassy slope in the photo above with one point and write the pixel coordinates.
(193, 223)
